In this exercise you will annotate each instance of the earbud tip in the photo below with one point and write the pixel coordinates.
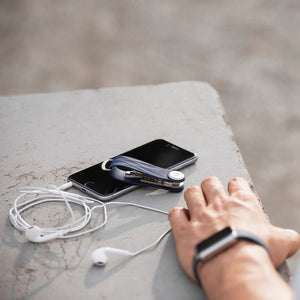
(99, 264)
(98, 257)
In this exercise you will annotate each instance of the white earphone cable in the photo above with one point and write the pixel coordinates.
(70, 230)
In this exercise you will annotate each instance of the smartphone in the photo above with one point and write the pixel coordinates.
(99, 184)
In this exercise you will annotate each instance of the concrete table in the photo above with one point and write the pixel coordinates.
(46, 137)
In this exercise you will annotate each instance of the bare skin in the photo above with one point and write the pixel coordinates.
(245, 269)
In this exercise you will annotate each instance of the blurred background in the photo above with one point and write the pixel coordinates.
(249, 51)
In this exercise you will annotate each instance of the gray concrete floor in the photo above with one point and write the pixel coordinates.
(248, 50)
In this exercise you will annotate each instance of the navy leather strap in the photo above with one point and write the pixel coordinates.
(147, 174)
(237, 235)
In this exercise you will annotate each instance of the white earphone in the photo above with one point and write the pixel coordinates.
(39, 235)
(36, 235)
(99, 256)
(100, 259)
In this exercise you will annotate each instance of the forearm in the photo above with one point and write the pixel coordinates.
(243, 272)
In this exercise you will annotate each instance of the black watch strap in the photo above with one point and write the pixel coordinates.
(220, 241)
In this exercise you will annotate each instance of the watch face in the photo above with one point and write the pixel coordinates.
(214, 239)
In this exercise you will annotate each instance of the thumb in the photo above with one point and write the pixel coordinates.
(293, 241)
(284, 244)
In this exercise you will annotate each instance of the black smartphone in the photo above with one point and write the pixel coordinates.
(99, 184)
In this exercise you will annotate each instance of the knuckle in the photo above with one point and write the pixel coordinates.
(239, 179)
(191, 190)
(182, 228)
(218, 205)
(174, 211)
(171, 212)
(235, 179)
(243, 195)
(210, 179)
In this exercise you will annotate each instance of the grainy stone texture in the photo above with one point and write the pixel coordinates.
(247, 50)
(46, 137)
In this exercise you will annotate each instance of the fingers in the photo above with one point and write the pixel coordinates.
(213, 191)
(179, 219)
(238, 184)
(198, 198)
(194, 200)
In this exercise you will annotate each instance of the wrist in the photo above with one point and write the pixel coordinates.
(219, 266)
(242, 270)
(219, 242)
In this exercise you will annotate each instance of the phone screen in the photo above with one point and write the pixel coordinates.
(161, 153)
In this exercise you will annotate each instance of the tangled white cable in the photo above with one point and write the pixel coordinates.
(53, 194)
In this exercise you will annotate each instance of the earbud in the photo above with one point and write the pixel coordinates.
(99, 256)
(35, 234)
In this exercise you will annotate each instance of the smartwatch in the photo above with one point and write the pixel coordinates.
(220, 241)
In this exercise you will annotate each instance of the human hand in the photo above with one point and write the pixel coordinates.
(210, 210)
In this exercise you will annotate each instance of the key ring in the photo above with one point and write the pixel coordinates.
(137, 172)
(104, 163)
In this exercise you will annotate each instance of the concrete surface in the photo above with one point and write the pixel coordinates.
(249, 51)
(187, 114)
